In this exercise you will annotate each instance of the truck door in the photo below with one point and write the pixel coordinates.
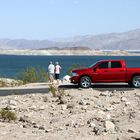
(117, 71)
(101, 73)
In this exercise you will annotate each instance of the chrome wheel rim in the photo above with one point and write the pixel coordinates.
(136, 81)
(85, 82)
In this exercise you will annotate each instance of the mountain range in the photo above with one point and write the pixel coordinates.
(113, 41)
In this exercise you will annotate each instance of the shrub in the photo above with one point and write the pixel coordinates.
(8, 115)
(2, 83)
(16, 83)
(33, 74)
(74, 66)
(53, 90)
(56, 92)
(61, 92)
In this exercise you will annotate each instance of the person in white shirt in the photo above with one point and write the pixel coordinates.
(51, 69)
(57, 71)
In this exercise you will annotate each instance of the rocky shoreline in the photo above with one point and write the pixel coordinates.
(67, 52)
(79, 114)
(8, 82)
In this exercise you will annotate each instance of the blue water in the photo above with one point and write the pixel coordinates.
(11, 65)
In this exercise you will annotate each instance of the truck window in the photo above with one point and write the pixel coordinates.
(116, 65)
(103, 65)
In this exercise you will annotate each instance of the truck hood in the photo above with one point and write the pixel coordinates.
(80, 70)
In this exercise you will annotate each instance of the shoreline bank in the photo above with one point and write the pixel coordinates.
(70, 52)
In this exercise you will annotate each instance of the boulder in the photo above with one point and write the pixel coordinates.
(109, 126)
(66, 78)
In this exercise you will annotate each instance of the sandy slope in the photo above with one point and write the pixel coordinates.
(81, 114)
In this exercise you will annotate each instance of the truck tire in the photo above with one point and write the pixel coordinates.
(85, 82)
(136, 81)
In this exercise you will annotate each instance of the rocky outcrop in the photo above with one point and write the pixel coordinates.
(6, 82)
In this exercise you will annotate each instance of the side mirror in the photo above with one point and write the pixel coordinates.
(94, 69)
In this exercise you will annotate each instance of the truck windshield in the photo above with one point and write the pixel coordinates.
(92, 65)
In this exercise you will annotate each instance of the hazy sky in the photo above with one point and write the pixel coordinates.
(47, 19)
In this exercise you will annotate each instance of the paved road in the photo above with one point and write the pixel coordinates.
(43, 88)
(20, 91)
(102, 87)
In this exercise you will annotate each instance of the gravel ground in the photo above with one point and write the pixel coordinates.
(83, 114)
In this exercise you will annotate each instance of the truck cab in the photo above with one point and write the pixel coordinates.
(109, 71)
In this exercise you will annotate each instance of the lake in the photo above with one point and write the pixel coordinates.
(11, 65)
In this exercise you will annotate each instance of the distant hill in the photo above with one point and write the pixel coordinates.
(113, 41)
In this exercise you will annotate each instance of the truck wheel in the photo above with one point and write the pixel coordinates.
(85, 82)
(136, 81)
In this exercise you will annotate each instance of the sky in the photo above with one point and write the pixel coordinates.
(51, 19)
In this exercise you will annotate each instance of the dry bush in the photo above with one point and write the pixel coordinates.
(53, 90)
(61, 92)
(56, 92)
(7, 115)
(33, 75)
(2, 83)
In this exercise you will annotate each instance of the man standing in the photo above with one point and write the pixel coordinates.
(51, 68)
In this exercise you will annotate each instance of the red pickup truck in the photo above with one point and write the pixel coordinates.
(106, 71)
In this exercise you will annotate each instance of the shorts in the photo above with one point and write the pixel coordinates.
(51, 74)
(56, 76)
